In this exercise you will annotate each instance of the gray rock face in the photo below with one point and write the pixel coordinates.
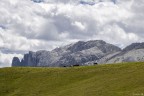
(16, 61)
(132, 53)
(134, 46)
(79, 53)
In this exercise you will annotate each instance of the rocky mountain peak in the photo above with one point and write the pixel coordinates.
(83, 45)
(15, 61)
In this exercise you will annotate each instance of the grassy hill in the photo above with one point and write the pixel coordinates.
(100, 80)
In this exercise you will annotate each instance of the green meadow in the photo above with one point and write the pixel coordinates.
(126, 79)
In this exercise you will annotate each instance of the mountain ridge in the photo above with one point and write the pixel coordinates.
(77, 53)
(131, 53)
(82, 53)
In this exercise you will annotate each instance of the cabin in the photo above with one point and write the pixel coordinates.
(76, 65)
(95, 63)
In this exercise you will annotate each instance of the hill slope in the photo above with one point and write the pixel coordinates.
(101, 80)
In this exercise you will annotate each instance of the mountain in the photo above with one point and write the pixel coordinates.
(79, 53)
(82, 53)
(132, 53)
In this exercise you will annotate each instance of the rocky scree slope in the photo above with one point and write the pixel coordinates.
(132, 53)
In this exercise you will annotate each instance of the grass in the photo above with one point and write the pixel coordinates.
(100, 80)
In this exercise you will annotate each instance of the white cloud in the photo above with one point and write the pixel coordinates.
(6, 59)
(116, 35)
(79, 25)
(26, 25)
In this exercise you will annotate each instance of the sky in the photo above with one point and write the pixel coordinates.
(27, 25)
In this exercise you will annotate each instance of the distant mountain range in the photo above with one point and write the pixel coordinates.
(82, 54)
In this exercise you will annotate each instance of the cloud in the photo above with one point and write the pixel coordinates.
(6, 59)
(26, 25)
